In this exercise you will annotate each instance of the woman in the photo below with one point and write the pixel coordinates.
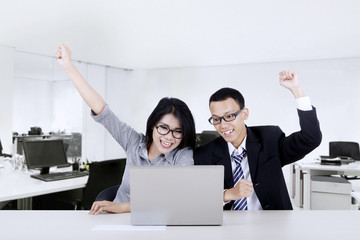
(170, 134)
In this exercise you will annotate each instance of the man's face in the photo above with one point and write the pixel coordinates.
(233, 131)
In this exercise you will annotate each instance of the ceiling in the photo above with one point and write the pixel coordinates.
(147, 34)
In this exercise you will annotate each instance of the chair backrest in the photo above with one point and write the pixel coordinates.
(102, 175)
(1, 153)
(1, 148)
(205, 137)
(347, 149)
(108, 194)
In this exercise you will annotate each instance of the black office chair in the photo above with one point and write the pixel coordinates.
(1, 153)
(102, 175)
(345, 149)
(205, 136)
(108, 194)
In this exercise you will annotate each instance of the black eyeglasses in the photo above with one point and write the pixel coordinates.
(214, 120)
(164, 130)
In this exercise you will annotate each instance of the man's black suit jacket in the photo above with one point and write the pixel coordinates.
(268, 150)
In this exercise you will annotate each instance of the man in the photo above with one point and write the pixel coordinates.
(253, 157)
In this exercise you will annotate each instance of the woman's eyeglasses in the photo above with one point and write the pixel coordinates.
(164, 130)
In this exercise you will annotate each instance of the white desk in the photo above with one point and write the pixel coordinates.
(17, 185)
(304, 171)
(280, 225)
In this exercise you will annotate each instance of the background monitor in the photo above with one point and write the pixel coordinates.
(74, 148)
(44, 154)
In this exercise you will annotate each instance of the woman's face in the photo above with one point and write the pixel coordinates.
(164, 132)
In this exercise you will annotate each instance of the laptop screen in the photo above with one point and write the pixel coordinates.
(177, 195)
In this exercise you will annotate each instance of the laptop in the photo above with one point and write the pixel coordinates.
(177, 195)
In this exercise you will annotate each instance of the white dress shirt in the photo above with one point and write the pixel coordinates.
(253, 202)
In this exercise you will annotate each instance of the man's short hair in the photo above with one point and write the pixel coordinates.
(225, 93)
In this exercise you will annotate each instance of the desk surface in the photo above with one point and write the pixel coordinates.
(16, 185)
(237, 225)
(317, 166)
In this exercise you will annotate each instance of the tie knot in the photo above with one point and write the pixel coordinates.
(238, 157)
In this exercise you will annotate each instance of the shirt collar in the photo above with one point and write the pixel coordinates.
(242, 145)
(170, 156)
(143, 150)
(144, 154)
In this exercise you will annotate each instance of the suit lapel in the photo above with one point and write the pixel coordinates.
(222, 156)
(253, 147)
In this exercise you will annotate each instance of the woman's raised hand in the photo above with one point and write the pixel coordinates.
(63, 54)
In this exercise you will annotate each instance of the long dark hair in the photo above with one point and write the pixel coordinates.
(181, 111)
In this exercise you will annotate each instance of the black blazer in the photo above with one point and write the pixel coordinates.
(268, 150)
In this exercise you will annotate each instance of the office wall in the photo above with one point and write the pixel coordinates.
(65, 108)
(94, 143)
(33, 92)
(52, 105)
(6, 99)
(32, 104)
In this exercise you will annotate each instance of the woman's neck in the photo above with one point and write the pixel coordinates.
(152, 152)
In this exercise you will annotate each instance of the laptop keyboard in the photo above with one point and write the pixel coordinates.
(60, 176)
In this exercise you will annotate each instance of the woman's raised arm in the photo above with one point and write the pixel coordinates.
(90, 96)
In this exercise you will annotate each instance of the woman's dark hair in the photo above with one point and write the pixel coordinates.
(225, 93)
(181, 111)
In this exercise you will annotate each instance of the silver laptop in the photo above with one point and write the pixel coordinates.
(177, 195)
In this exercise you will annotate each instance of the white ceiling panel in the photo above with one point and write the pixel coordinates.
(176, 33)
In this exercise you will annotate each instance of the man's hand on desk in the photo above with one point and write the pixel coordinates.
(242, 189)
(107, 206)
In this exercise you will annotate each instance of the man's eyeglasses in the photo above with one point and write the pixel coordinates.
(164, 130)
(214, 120)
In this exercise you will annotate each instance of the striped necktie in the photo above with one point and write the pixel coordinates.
(240, 204)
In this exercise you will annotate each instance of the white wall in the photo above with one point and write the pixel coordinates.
(32, 104)
(93, 133)
(66, 114)
(6, 99)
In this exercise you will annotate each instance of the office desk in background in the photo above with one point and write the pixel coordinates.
(279, 225)
(19, 185)
(301, 178)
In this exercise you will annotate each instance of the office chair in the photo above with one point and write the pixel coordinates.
(3, 154)
(346, 149)
(205, 137)
(108, 194)
(102, 175)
